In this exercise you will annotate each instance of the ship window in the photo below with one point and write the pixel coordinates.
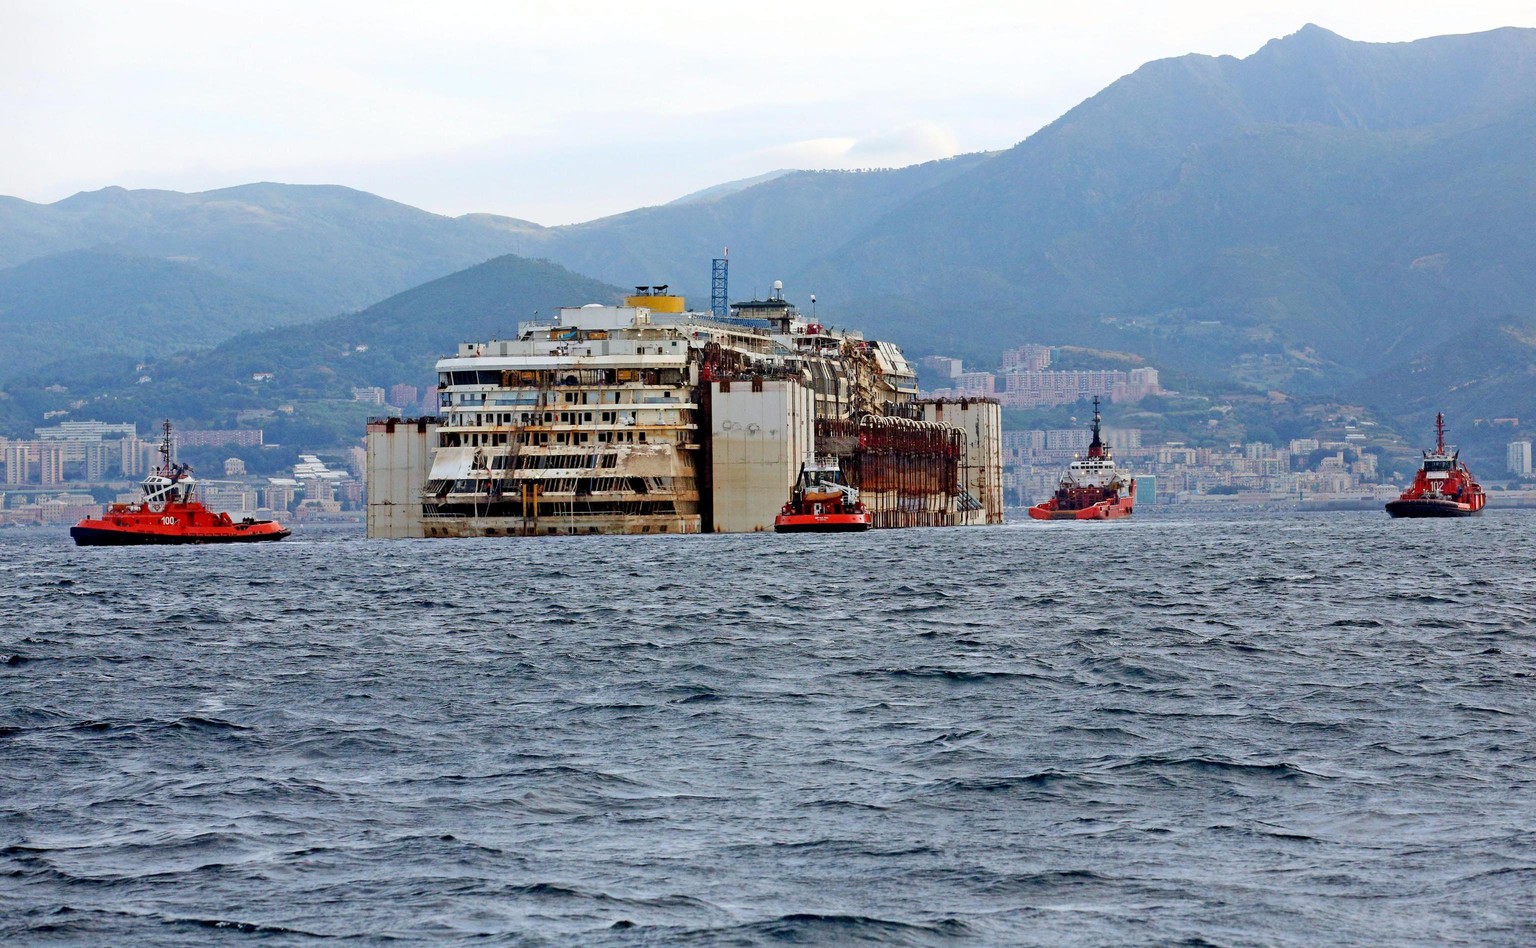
(642, 436)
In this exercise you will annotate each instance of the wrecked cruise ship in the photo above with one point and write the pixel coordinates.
(648, 418)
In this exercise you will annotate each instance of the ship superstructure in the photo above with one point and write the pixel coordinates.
(648, 418)
(584, 424)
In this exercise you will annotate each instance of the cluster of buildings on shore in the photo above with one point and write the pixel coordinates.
(1027, 381)
(651, 418)
(68, 471)
(404, 398)
(1339, 464)
(1518, 458)
(1167, 473)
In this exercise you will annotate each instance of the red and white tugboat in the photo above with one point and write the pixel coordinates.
(169, 513)
(1443, 487)
(822, 502)
(1093, 488)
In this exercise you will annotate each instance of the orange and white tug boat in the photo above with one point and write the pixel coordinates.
(822, 502)
(1444, 487)
(1093, 488)
(168, 512)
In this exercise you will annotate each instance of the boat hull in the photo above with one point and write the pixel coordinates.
(821, 523)
(1104, 510)
(151, 530)
(1431, 508)
(99, 534)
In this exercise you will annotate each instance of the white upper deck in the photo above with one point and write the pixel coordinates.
(598, 336)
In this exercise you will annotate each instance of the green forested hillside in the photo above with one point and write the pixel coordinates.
(774, 229)
(1317, 214)
(87, 302)
(321, 249)
(1482, 376)
(1298, 218)
(313, 366)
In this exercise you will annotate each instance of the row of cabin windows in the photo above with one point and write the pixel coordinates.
(468, 399)
(563, 417)
(543, 462)
(451, 439)
(578, 486)
(548, 531)
(523, 379)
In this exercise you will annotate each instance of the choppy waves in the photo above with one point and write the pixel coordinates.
(1283, 730)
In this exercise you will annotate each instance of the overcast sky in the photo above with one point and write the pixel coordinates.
(568, 110)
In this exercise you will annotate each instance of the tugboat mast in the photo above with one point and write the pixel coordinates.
(165, 447)
(1096, 447)
(1439, 432)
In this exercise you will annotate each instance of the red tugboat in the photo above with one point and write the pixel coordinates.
(1093, 488)
(822, 502)
(1443, 487)
(169, 513)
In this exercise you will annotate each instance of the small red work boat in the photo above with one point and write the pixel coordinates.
(1093, 488)
(1444, 487)
(169, 513)
(822, 502)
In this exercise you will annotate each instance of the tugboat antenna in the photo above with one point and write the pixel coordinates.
(165, 445)
(1096, 447)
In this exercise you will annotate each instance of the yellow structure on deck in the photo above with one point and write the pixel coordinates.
(656, 299)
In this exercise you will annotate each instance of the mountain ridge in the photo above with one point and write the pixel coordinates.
(1300, 219)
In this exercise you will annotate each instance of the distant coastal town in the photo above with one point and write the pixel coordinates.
(1339, 462)
(71, 469)
(1027, 382)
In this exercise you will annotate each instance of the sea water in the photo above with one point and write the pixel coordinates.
(1277, 729)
